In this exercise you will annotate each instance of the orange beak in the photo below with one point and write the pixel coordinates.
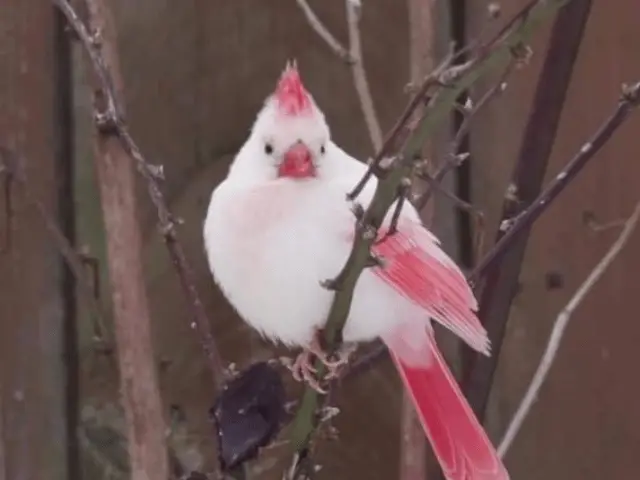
(297, 163)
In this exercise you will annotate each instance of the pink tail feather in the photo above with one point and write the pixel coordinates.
(458, 440)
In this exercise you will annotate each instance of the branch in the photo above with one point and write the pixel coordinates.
(454, 158)
(324, 32)
(438, 109)
(630, 99)
(113, 117)
(359, 75)
(140, 393)
(512, 228)
(354, 58)
(13, 169)
(435, 186)
(560, 326)
(540, 133)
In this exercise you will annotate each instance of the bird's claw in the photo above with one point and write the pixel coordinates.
(303, 369)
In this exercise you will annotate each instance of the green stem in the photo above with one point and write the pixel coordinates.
(439, 110)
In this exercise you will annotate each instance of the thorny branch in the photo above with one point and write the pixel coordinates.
(113, 119)
(559, 326)
(453, 158)
(500, 283)
(438, 108)
(629, 100)
(13, 169)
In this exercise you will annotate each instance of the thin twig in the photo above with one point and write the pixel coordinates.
(457, 201)
(559, 327)
(439, 108)
(499, 284)
(394, 139)
(114, 117)
(454, 158)
(14, 167)
(360, 76)
(324, 32)
(629, 100)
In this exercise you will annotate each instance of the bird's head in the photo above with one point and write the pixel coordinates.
(290, 135)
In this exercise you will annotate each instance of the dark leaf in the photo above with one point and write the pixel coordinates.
(248, 414)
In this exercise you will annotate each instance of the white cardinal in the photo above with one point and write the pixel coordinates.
(280, 224)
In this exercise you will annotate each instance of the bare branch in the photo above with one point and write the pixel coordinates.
(560, 326)
(402, 128)
(496, 295)
(360, 77)
(324, 32)
(629, 100)
(114, 115)
(453, 157)
(457, 201)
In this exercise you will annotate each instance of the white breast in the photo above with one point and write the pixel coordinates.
(269, 247)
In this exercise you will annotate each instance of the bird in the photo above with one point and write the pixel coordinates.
(281, 223)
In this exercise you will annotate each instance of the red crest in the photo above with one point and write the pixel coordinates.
(291, 96)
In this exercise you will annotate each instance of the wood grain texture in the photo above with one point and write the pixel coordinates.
(32, 368)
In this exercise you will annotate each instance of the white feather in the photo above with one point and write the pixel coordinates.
(271, 241)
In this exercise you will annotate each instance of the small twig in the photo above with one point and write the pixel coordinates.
(324, 32)
(457, 201)
(397, 135)
(559, 327)
(499, 284)
(114, 115)
(360, 77)
(14, 168)
(453, 157)
(629, 100)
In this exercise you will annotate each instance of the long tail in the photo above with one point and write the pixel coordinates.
(458, 440)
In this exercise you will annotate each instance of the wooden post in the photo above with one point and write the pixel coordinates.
(33, 429)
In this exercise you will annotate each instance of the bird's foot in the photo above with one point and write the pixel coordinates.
(303, 368)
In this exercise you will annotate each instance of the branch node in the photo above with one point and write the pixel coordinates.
(375, 261)
(368, 232)
(494, 10)
(522, 54)
(631, 93)
(106, 122)
(157, 171)
(358, 211)
(330, 284)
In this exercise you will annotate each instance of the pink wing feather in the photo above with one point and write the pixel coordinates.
(416, 267)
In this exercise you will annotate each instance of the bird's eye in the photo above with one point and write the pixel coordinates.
(322, 150)
(268, 148)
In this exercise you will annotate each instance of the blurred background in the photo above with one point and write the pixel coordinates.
(195, 74)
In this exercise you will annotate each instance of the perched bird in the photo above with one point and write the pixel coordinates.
(280, 224)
